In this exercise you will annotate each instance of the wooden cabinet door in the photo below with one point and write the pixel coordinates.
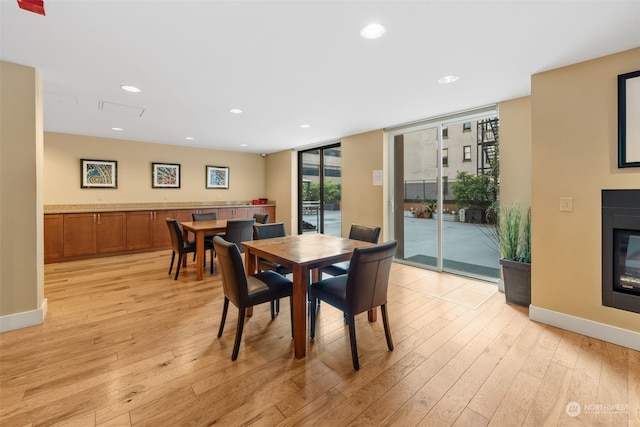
(234, 213)
(140, 230)
(112, 232)
(263, 209)
(184, 215)
(161, 235)
(53, 238)
(79, 234)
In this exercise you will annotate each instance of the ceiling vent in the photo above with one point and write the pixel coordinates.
(127, 110)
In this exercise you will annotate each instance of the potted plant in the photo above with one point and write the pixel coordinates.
(474, 193)
(514, 235)
(429, 208)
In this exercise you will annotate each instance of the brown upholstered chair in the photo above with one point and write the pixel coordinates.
(261, 218)
(246, 291)
(366, 233)
(180, 247)
(363, 288)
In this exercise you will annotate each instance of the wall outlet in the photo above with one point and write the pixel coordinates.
(566, 204)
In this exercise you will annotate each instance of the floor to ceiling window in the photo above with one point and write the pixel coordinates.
(445, 188)
(319, 184)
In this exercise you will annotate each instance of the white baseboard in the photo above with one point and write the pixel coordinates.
(590, 328)
(23, 320)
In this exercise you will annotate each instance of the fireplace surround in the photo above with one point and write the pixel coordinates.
(621, 249)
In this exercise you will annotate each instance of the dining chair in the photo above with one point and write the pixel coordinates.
(208, 216)
(363, 288)
(261, 218)
(239, 230)
(247, 290)
(268, 231)
(365, 233)
(180, 247)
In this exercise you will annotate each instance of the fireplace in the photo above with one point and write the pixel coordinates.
(621, 249)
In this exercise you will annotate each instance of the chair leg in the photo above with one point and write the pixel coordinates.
(312, 309)
(178, 268)
(211, 266)
(225, 307)
(352, 338)
(278, 306)
(173, 257)
(387, 330)
(273, 309)
(236, 345)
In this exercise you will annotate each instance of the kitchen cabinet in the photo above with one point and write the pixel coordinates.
(93, 233)
(184, 215)
(234, 213)
(148, 229)
(53, 238)
(79, 235)
(271, 210)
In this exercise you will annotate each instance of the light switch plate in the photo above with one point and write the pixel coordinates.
(566, 204)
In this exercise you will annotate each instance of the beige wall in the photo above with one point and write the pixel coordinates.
(515, 151)
(21, 247)
(281, 186)
(62, 154)
(362, 202)
(574, 154)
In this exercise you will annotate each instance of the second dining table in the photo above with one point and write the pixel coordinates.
(301, 253)
(200, 229)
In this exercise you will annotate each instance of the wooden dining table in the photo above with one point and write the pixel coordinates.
(300, 253)
(200, 229)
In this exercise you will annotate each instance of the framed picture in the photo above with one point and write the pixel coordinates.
(217, 177)
(98, 173)
(165, 175)
(629, 120)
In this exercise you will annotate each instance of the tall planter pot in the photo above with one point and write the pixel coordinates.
(517, 282)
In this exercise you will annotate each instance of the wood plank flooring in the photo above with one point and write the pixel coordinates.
(124, 344)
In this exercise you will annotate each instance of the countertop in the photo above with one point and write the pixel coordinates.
(118, 207)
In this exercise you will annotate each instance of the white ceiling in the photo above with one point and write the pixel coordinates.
(288, 63)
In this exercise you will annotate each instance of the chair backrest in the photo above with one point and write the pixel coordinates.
(177, 244)
(209, 216)
(366, 233)
(261, 218)
(234, 277)
(267, 231)
(368, 276)
(239, 230)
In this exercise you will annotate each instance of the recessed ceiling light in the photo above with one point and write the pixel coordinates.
(448, 79)
(305, 126)
(129, 88)
(243, 145)
(117, 128)
(190, 138)
(372, 31)
(235, 111)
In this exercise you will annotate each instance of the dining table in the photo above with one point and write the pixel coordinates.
(201, 229)
(302, 254)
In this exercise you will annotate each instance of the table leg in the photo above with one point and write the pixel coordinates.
(199, 254)
(299, 297)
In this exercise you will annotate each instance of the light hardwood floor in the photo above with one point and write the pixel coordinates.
(124, 344)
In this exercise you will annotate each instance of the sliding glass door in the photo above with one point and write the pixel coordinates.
(445, 185)
(319, 183)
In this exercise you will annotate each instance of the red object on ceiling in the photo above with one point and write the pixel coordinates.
(35, 6)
